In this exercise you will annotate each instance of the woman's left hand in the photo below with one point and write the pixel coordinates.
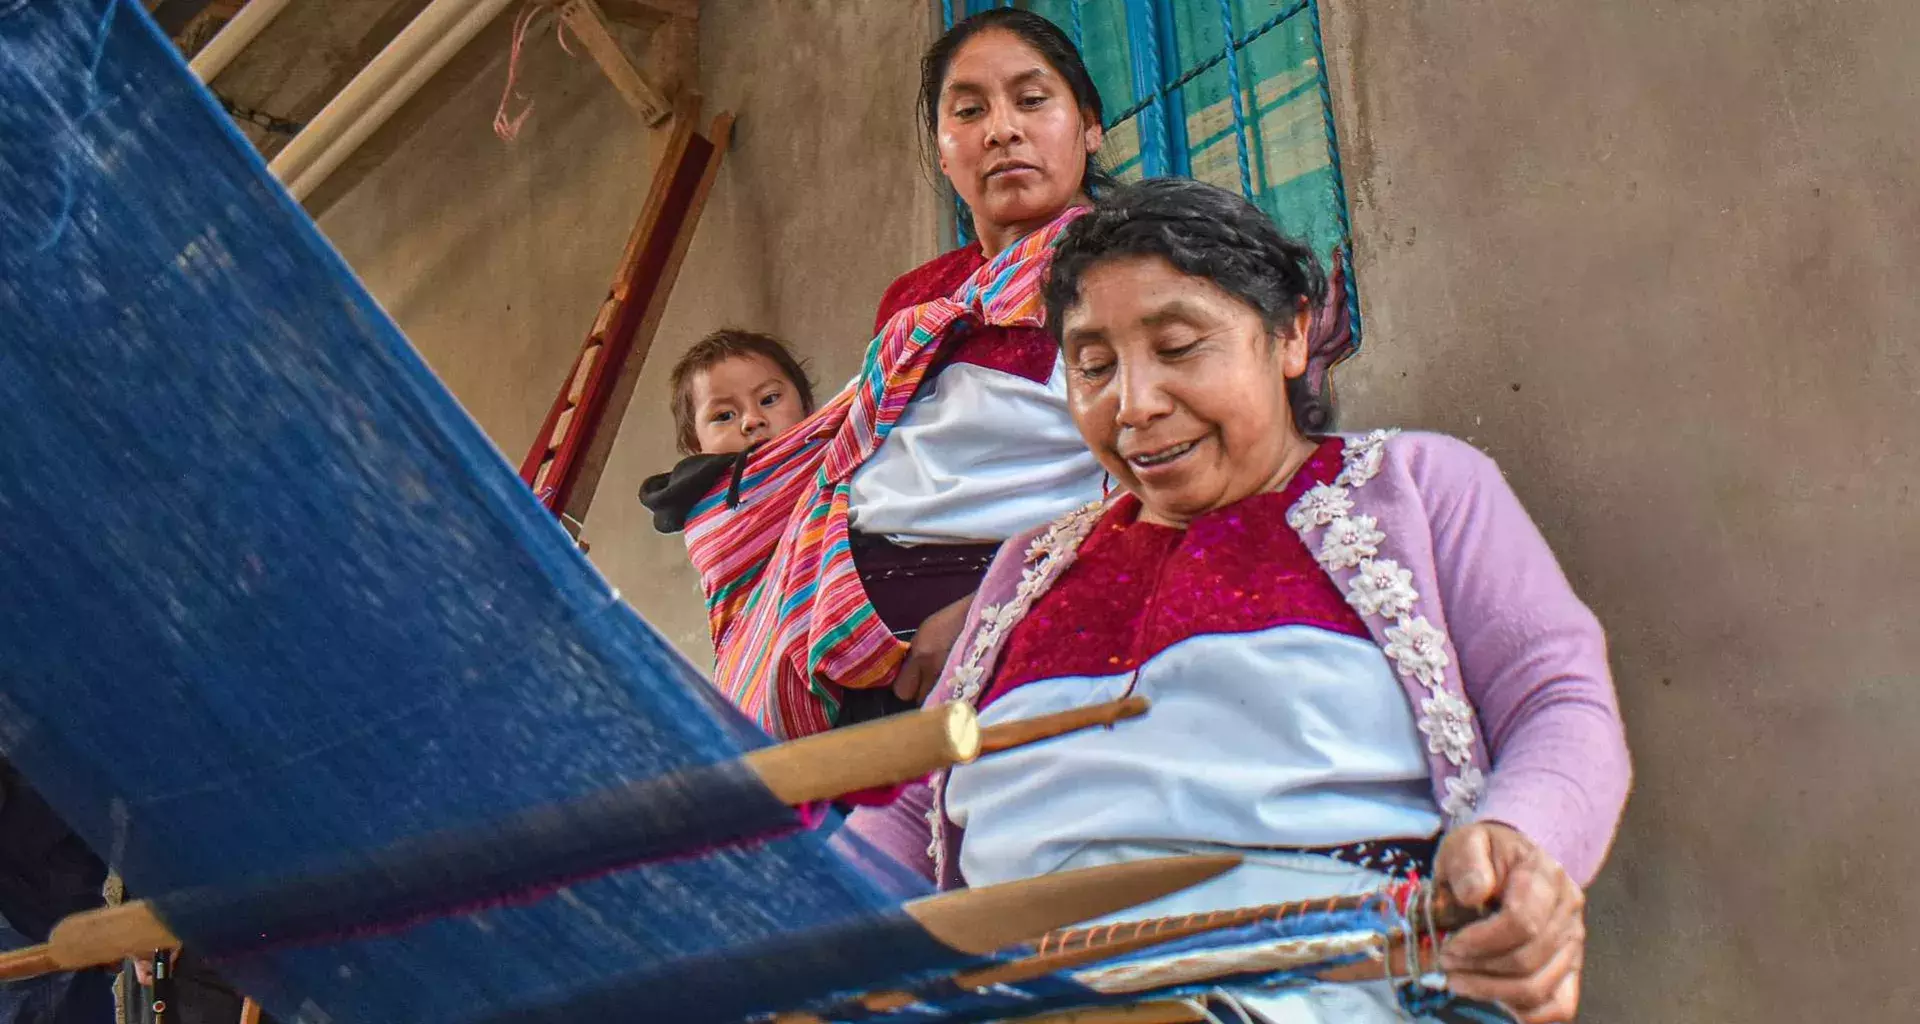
(1528, 955)
(927, 655)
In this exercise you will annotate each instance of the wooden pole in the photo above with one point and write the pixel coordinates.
(249, 1012)
(236, 36)
(381, 88)
(901, 748)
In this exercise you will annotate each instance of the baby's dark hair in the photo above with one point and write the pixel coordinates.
(1205, 232)
(718, 347)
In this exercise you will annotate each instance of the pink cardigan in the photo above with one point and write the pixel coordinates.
(1505, 668)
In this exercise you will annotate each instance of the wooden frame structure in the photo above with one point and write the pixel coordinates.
(570, 452)
(414, 56)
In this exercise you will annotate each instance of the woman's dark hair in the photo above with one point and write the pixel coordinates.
(718, 347)
(1037, 32)
(1204, 232)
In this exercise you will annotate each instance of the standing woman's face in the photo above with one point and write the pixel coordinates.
(1013, 140)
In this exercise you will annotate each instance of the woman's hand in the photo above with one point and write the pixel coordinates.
(927, 654)
(1528, 955)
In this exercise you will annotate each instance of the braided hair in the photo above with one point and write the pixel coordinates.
(1204, 232)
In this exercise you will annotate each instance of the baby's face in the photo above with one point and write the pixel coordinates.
(741, 400)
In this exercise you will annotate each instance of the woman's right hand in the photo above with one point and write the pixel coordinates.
(1528, 955)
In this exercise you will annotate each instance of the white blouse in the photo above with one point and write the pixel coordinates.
(979, 455)
(1292, 736)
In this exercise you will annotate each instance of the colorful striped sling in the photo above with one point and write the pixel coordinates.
(790, 620)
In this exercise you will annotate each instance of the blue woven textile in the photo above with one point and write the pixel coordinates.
(275, 604)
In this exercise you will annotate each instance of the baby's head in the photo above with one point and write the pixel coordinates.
(735, 387)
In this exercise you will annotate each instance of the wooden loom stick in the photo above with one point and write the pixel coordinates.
(417, 53)
(992, 917)
(1078, 947)
(249, 1012)
(900, 748)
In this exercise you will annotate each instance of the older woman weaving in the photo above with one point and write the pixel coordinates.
(1363, 659)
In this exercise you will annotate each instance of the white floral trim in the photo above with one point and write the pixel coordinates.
(1350, 541)
(1319, 506)
(1380, 587)
(1419, 650)
(1463, 794)
(1448, 722)
(1048, 556)
(1363, 457)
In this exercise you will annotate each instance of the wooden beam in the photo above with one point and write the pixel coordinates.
(245, 27)
(388, 82)
(588, 22)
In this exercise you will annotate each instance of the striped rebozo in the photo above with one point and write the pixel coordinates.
(791, 623)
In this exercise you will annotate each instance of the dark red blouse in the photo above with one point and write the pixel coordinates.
(1023, 351)
(1136, 589)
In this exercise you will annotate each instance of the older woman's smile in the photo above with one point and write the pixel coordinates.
(1157, 458)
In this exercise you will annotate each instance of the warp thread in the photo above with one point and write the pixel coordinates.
(506, 126)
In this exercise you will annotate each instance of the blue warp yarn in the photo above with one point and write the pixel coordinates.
(272, 593)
